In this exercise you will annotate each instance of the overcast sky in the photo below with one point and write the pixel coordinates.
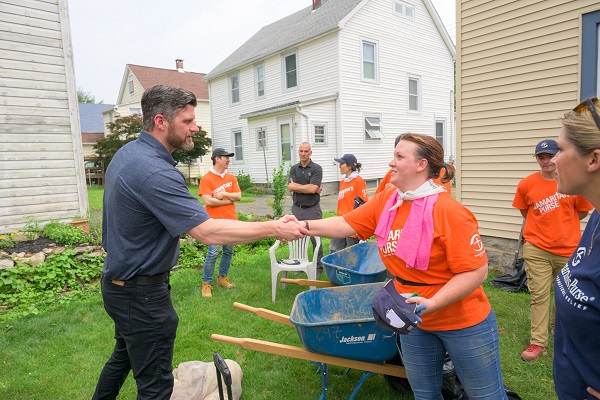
(109, 34)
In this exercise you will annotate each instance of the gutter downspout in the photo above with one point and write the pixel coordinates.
(299, 111)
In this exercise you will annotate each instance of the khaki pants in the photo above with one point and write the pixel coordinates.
(542, 268)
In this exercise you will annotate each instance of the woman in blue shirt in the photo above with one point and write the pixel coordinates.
(576, 365)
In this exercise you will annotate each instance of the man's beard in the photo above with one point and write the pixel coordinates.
(179, 144)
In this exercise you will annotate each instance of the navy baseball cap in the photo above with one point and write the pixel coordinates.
(547, 146)
(391, 312)
(347, 158)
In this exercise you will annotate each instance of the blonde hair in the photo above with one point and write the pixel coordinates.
(582, 130)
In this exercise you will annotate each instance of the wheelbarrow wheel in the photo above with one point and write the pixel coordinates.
(400, 385)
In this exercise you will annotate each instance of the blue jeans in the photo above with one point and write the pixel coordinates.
(145, 327)
(474, 352)
(211, 260)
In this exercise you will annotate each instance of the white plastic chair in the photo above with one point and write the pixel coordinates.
(298, 251)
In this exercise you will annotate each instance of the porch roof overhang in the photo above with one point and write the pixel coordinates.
(288, 106)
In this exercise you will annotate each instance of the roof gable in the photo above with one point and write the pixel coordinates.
(149, 77)
(287, 32)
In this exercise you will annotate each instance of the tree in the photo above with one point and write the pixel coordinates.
(85, 97)
(201, 143)
(124, 130)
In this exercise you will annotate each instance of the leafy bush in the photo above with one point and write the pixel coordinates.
(64, 233)
(191, 253)
(244, 180)
(7, 240)
(280, 181)
(26, 289)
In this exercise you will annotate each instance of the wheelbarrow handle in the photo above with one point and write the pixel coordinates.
(265, 313)
(303, 354)
(307, 282)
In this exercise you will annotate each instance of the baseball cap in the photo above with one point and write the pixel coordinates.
(221, 152)
(391, 312)
(347, 158)
(548, 146)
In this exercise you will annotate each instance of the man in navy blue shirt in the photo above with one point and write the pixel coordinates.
(146, 208)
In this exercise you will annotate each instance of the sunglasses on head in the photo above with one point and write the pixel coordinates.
(590, 104)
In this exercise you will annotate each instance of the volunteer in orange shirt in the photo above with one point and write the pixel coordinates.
(432, 246)
(351, 186)
(219, 190)
(551, 234)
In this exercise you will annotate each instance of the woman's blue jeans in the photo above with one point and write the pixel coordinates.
(211, 260)
(474, 351)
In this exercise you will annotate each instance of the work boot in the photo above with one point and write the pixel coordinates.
(222, 281)
(206, 289)
(532, 352)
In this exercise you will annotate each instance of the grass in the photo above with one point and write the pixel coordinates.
(60, 353)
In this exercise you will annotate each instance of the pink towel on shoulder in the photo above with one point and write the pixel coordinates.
(414, 245)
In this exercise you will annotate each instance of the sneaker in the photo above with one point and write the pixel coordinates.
(222, 281)
(532, 352)
(206, 289)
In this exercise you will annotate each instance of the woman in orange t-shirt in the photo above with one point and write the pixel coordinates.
(431, 244)
(351, 186)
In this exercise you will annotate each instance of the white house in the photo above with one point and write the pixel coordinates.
(138, 78)
(41, 160)
(348, 76)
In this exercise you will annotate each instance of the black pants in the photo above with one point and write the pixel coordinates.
(145, 327)
(310, 213)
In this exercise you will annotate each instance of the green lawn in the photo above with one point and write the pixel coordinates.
(60, 353)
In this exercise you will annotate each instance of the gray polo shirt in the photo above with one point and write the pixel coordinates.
(146, 207)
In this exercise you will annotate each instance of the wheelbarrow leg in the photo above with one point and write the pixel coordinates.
(364, 376)
(324, 370)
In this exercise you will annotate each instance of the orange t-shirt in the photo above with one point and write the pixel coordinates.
(552, 222)
(348, 191)
(457, 247)
(212, 184)
(447, 185)
(384, 181)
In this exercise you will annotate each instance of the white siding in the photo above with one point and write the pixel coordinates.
(405, 48)
(518, 66)
(317, 77)
(41, 161)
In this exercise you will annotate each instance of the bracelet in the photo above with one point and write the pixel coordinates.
(306, 227)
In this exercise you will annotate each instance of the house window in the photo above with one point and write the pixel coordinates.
(373, 127)
(260, 81)
(135, 110)
(238, 147)
(130, 85)
(291, 71)
(404, 9)
(261, 139)
(590, 55)
(414, 94)
(369, 61)
(440, 132)
(234, 85)
(320, 134)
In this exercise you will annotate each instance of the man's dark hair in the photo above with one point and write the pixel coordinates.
(164, 100)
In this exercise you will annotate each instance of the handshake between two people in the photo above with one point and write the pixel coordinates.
(292, 229)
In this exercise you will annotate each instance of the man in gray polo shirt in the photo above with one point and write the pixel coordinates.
(146, 208)
(305, 184)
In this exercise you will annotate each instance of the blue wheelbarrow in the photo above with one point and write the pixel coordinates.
(336, 327)
(353, 265)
